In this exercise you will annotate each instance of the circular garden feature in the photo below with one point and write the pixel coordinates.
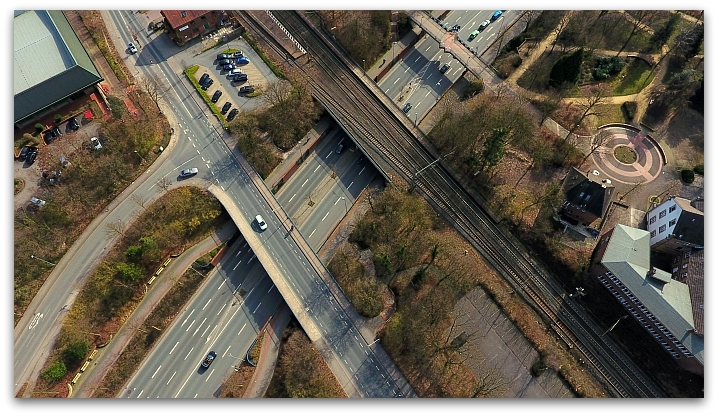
(625, 154)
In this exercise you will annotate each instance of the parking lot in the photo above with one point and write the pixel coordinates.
(258, 74)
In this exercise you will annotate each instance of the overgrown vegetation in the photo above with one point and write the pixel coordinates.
(179, 219)
(365, 34)
(301, 371)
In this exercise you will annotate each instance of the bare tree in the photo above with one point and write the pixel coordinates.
(597, 142)
(560, 27)
(529, 16)
(154, 88)
(140, 200)
(640, 20)
(598, 95)
(116, 227)
(277, 93)
(164, 183)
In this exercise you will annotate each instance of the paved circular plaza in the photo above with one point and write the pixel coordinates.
(648, 162)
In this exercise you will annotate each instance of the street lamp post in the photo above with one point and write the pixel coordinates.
(142, 158)
(614, 325)
(393, 51)
(373, 342)
(346, 210)
(416, 118)
(363, 64)
(35, 257)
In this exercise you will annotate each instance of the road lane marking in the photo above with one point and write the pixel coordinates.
(173, 348)
(362, 170)
(235, 267)
(325, 216)
(210, 375)
(290, 199)
(183, 384)
(251, 258)
(155, 373)
(255, 309)
(190, 326)
(205, 330)
(397, 80)
(305, 182)
(198, 327)
(140, 394)
(220, 311)
(226, 351)
(221, 285)
(190, 351)
(240, 331)
(205, 305)
(210, 334)
(417, 59)
(238, 253)
(168, 381)
(317, 168)
(310, 235)
(350, 185)
(270, 289)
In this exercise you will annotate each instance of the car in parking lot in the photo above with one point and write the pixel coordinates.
(31, 155)
(247, 89)
(203, 78)
(49, 137)
(232, 114)
(207, 83)
(23, 153)
(496, 15)
(73, 124)
(96, 143)
(186, 173)
(242, 60)
(260, 222)
(228, 67)
(234, 71)
(406, 108)
(473, 34)
(238, 54)
(208, 359)
(484, 25)
(224, 62)
(216, 96)
(222, 56)
(445, 67)
(240, 77)
(132, 48)
(226, 107)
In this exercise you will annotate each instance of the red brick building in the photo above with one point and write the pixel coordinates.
(185, 25)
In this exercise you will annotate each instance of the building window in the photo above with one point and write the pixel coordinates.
(685, 265)
(688, 254)
(684, 275)
(662, 228)
(676, 259)
(672, 222)
(662, 214)
(653, 219)
(653, 233)
(671, 209)
(184, 13)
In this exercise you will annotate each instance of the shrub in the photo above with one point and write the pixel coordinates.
(607, 66)
(698, 169)
(75, 352)
(567, 69)
(687, 176)
(39, 127)
(474, 87)
(629, 109)
(55, 372)
(58, 118)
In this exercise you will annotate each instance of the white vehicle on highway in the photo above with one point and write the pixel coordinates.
(260, 222)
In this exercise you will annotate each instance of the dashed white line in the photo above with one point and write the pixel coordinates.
(173, 348)
(290, 199)
(185, 319)
(255, 309)
(325, 215)
(190, 351)
(168, 381)
(310, 235)
(317, 168)
(350, 185)
(189, 326)
(305, 182)
(198, 327)
(220, 311)
(270, 289)
(155, 373)
(205, 305)
(235, 267)
(240, 331)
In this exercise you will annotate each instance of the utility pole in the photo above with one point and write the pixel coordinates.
(614, 325)
(417, 172)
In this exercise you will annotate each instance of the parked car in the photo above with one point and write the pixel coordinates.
(224, 62)
(445, 67)
(228, 67)
(37, 202)
(234, 71)
(207, 84)
(73, 124)
(31, 155)
(222, 56)
(23, 153)
(186, 173)
(484, 25)
(406, 108)
(242, 60)
(216, 96)
(496, 15)
(203, 78)
(49, 137)
(232, 114)
(260, 222)
(96, 143)
(238, 54)
(56, 132)
(339, 148)
(132, 48)
(473, 34)
(247, 89)
(208, 359)
(226, 107)
(240, 77)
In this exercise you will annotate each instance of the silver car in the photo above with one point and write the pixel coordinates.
(189, 172)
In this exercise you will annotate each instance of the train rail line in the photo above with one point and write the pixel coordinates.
(378, 129)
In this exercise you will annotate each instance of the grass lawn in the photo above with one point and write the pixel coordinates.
(609, 113)
(633, 78)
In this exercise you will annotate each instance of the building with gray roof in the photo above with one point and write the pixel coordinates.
(50, 65)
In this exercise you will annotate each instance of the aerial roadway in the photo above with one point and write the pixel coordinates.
(421, 77)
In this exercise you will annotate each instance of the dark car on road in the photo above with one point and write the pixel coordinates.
(208, 359)
(31, 155)
(247, 89)
(232, 114)
(445, 67)
(23, 153)
(216, 96)
(226, 107)
(406, 108)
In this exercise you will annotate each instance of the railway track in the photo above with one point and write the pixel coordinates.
(391, 145)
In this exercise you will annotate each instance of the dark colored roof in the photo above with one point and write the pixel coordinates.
(585, 193)
(695, 287)
(177, 18)
(689, 226)
(698, 204)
